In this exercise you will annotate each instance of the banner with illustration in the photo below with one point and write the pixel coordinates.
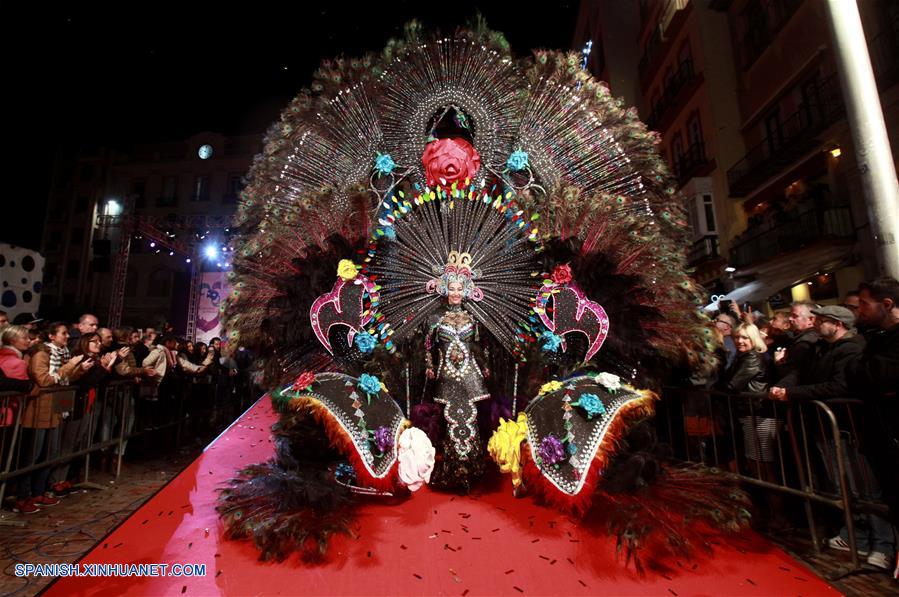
(213, 291)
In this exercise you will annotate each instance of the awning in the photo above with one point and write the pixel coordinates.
(769, 278)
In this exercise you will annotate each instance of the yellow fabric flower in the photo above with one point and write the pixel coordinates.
(505, 446)
(550, 386)
(346, 269)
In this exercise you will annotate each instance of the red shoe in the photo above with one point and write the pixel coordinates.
(61, 489)
(26, 507)
(44, 500)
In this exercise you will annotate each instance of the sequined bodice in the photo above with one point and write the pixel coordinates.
(455, 343)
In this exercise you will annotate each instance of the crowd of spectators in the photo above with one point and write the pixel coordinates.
(817, 352)
(159, 370)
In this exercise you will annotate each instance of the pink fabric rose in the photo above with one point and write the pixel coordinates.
(450, 160)
(562, 274)
(416, 458)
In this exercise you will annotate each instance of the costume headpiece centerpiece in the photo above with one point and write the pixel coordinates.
(439, 228)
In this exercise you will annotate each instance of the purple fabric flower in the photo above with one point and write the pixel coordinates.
(383, 439)
(551, 450)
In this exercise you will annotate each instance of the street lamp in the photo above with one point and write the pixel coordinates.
(112, 208)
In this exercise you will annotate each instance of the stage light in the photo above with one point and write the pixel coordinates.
(187, 260)
(211, 251)
(152, 245)
(836, 152)
(730, 269)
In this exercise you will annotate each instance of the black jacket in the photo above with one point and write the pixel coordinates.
(822, 374)
(796, 352)
(8, 384)
(875, 377)
(747, 374)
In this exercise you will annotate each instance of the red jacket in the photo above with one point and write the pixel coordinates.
(12, 364)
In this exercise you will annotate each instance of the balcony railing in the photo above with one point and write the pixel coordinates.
(792, 138)
(884, 51)
(703, 249)
(768, 18)
(655, 50)
(796, 231)
(691, 162)
(671, 95)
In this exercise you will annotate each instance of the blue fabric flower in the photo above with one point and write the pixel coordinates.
(550, 342)
(384, 164)
(517, 161)
(389, 233)
(365, 342)
(591, 404)
(345, 470)
(370, 384)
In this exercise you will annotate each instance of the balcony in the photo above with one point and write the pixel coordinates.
(704, 249)
(763, 22)
(691, 163)
(792, 139)
(884, 51)
(793, 232)
(671, 17)
(676, 92)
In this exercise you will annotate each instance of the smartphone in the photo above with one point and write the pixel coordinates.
(724, 305)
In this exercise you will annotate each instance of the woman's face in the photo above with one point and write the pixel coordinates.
(742, 341)
(454, 293)
(60, 337)
(22, 342)
(189, 347)
(93, 345)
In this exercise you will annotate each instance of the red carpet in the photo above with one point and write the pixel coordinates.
(432, 544)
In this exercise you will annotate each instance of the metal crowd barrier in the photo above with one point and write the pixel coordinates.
(121, 412)
(811, 449)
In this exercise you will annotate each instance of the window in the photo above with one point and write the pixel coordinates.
(53, 242)
(694, 131)
(201, 189)
(72, 269)
(811, 100)
(51, 274)
(139, 191)
(160, 283)
(702, 216)
(169, 192)
(677, 150)
(773, 132)
(684, 54)
(709, 208)
(235, 187)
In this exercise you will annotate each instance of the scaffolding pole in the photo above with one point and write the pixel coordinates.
(869, 134)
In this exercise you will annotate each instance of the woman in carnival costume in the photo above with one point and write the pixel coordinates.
(504, 235)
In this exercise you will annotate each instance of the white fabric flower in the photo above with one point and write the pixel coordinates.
(416, 457)
(609, 381)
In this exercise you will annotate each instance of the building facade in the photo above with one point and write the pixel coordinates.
(747, 99)
(183, 191)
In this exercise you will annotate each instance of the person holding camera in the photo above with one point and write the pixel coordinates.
(788, 359)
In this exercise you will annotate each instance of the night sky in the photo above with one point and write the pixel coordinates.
(122, 73)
